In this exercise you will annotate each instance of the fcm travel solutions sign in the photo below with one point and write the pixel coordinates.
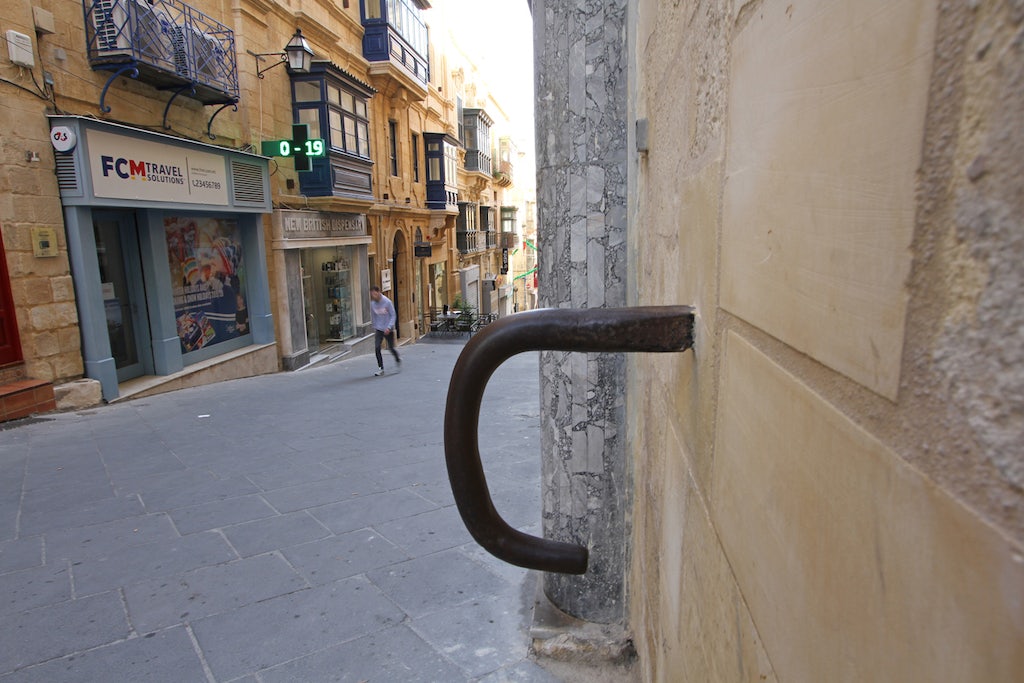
(141, 169)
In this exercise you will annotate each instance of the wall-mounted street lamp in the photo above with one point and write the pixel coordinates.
(297, 56)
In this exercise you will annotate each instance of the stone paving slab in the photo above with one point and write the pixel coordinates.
(394, 654)
(267, 633)
(340, 557)
(160, 603)
(82, 624)
(164, 657)
(288, 527)
(281, 531)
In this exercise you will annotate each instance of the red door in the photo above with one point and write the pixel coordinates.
(10, 345)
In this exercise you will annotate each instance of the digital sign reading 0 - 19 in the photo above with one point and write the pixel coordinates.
(301, 147)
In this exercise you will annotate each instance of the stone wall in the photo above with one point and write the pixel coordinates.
(41, 287)
(829, 487)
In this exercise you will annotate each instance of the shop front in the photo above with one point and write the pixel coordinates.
(167, 253)
(320, 262)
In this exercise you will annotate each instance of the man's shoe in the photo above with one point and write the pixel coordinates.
(380, 371)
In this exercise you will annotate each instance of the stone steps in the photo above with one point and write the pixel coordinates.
(25, 397)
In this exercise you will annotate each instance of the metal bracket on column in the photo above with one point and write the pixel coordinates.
(656, 329)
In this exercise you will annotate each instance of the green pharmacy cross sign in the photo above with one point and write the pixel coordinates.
(301, 147)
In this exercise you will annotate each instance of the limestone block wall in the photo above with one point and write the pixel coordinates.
(41, 287)
(830, 486)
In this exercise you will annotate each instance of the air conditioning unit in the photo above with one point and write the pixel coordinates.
(197, 55)
(209, 58)
(132, 28)
(113, 33)
(153, 33)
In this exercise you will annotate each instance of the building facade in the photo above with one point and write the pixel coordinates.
(134, 247)
(828, 486)
(183, 204)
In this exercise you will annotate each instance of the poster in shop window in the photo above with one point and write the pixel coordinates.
(208, 280)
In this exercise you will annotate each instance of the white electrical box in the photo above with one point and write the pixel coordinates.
(19, 49)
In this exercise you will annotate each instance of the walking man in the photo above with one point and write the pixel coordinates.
(383, 313)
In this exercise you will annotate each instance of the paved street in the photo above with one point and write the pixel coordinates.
(291, 527)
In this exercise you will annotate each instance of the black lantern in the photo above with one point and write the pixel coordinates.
(297, 56)
(298, 53)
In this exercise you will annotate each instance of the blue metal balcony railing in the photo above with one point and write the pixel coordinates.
(165, 43)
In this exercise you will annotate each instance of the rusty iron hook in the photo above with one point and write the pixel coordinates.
(657, 329)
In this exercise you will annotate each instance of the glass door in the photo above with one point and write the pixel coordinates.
(117, 251)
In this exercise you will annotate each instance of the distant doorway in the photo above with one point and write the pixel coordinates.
(399, 279)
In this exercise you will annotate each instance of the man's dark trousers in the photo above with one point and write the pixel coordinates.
(379, 336)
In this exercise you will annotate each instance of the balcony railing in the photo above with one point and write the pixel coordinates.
(165, 43)
(503, 174)
(492, 239)
(471, 241)
(478, 161)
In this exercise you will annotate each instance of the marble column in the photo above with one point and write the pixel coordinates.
(580, 63)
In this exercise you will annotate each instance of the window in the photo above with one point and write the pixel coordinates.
(393, 145)
(343, 109)
(434, 162)
(307, 91)
(458, 117)
(416, 158)
(404, 16)
(311, 117)
(372, 9)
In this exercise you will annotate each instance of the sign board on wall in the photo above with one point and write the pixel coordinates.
(125, 168)
(385, 280)
(319, 224)
(44, 242)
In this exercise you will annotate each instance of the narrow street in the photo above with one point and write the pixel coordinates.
(290, 527)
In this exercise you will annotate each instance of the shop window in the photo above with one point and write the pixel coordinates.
(207, 280)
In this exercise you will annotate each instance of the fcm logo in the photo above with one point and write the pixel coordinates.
(125, 168)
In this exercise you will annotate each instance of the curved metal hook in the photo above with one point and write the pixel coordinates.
(133, 72)
(643, 329)
(209, 124)
(178, 91)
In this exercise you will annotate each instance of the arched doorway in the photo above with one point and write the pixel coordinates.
(400, 281)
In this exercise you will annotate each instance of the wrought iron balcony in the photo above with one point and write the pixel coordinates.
(165, 43)
(492, 239)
